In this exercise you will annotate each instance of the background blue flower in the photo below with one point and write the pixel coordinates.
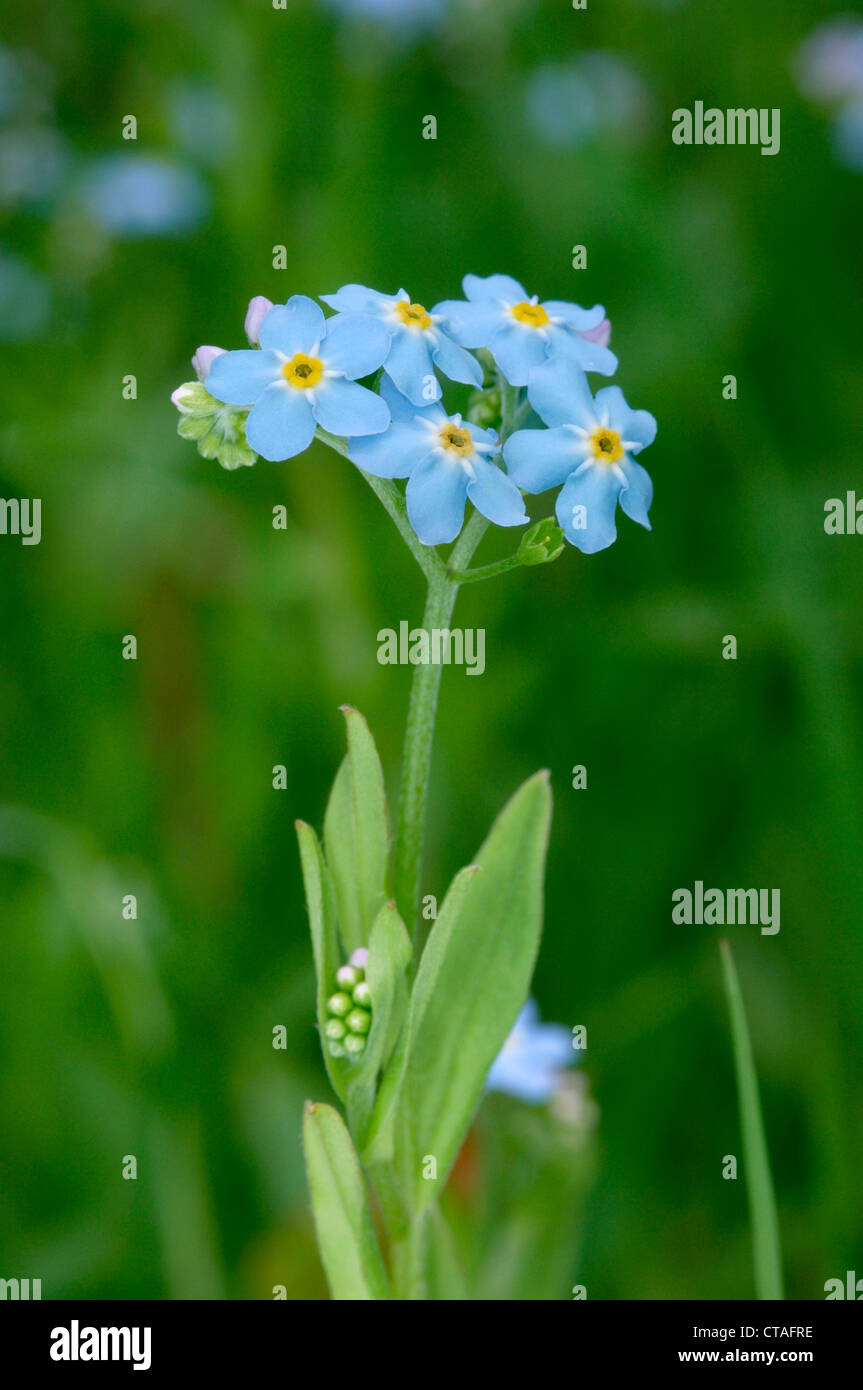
(530, 1062)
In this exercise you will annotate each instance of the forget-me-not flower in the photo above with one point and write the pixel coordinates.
(530, 1062)
(419, 343)
(303, 375)
(521, 333)
(588, 449)
(445, 460)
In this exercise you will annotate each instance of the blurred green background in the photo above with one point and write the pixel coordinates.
(302, 127)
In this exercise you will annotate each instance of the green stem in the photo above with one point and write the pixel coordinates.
(419, 734)
(762, 1202)
(416, 761)
(486, 571)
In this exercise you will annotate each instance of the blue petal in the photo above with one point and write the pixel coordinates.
(495, 495)
(355, 344)
(482, 287)
(455, 362)
(582, 320)
(560, 395)
(403, 409)
(635, 426)
(517, 350)
(591, 357)
(479, 435)
(471, 325)
(435, 495)
(393, 454)
(357, 299)
(539, 459)
(549, 1045)
(517, 1077)
(238, 378)
(281, 424)
(596, 489)
(636, 497)
(297, 326)
(410, 367)
(344, 408)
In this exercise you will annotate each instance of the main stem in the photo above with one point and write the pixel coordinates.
(419, 734)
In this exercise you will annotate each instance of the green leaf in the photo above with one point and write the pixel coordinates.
(767, 1257)
(325, 940)
(472, 981)
(445, 1277)
(346, 1237)
(356, 835)
(389, 954)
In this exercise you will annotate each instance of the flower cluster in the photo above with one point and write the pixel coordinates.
(531, 423)
(349, 1009)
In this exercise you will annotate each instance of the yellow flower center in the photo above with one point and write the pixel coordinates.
(534, 314)
(414, 315)
(303, 371)
(456, 439)
(606, 445)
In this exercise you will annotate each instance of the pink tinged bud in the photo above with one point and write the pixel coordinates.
(204, 359)
(600, 334)
(257, 311)
(360, 957)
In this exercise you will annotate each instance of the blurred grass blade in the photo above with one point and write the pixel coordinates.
(759, 1184)
(346, 1237)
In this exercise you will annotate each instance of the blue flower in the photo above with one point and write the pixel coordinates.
(587, 448)
(418, 342)
(140, 195)
(520, 332)
(530, 1062)
(445, 460)
(303, 375)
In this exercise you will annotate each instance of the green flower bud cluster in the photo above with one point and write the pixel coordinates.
(349, 1010)
(218, 430)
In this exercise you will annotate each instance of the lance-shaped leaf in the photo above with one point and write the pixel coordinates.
(346, 1236)
(356, 835)
(389, 954)
(473, 978)
(325, 939)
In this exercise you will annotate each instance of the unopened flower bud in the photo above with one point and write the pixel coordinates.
(257, 311)
(354, 1044)
(335, 1029)
(362, 995)
(347, 977)
(204, 359)
(360, 958)
(359, 1021)
(335, 1049)
(340, 1005)
(601, 334)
